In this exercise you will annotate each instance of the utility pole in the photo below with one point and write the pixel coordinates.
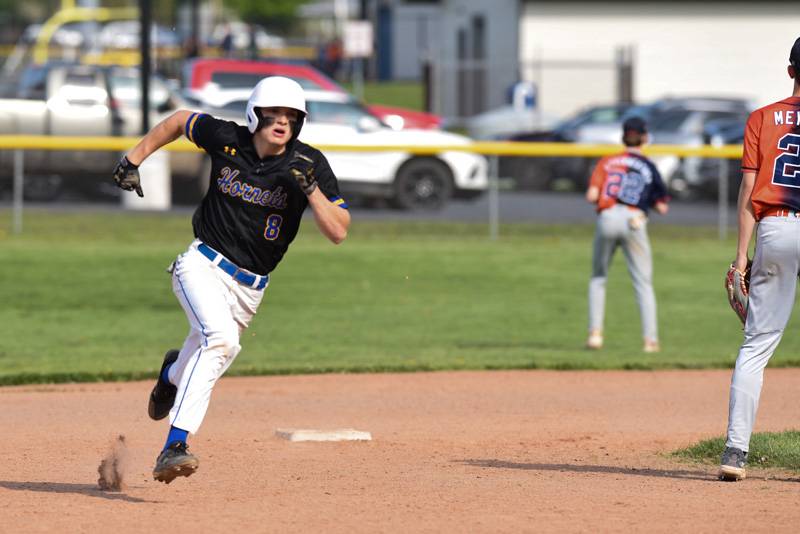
(195, 23)
(146, 21)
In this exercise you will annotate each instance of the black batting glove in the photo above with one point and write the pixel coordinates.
(301, 167)
(126, 176)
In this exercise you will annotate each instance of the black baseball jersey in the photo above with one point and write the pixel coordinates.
(253, 207)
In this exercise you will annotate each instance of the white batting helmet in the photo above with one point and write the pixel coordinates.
(273, 92)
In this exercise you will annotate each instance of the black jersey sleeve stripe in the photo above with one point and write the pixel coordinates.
(749, 168)
(190, 122)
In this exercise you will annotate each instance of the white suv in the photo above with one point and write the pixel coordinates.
(409, 181)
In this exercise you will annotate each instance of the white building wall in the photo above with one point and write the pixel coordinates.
(681, 48)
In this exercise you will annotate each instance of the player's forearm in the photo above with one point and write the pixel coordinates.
(747, 220)
(746, 224)
(331, 220)
(161, 134)
(592, 194)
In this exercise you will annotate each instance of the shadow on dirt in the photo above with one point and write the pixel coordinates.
(682, 474)
(90, 490)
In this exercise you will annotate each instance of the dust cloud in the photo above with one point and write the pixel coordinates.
(112, 468)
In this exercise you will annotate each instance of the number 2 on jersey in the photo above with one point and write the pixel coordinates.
(273, 227)
(626, 187)
(613, 184)
(786, 171)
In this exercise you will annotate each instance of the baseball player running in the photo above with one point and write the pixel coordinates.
(770, 195)
(625, 187)
(262, 179)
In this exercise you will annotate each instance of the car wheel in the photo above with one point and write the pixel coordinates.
(422, 184)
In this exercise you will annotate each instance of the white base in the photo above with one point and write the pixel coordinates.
(344, 434)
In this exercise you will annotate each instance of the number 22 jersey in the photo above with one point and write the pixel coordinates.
(628, 178)
(772, 151)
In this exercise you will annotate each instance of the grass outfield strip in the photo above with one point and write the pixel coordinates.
(85, 296)
(402, 94)
(779, 450)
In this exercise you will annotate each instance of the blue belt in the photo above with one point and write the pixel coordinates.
(243, 277)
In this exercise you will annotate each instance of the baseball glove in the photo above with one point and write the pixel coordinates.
(126, 176)
(301, 168)
(737, 285)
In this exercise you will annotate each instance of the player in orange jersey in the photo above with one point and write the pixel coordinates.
(624, 187)
(770, 196)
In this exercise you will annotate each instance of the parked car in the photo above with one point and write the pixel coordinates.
(683, 122)
(204, 78)
(80, 100)
(240, 33)
(507, 121)
(563, 172)
(407, 180)
(678, 121)
(126, 34)
(70, 35)
(720, 134)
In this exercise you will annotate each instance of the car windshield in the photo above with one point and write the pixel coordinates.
(126, 87)
(670, 121)
(596, 115)
(344, 113)
(234, 80)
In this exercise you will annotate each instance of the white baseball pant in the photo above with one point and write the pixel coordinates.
(219, 309)
(620, 226)
(773, 282)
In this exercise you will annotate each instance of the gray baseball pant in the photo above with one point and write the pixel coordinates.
(616, 227)
(773, 282)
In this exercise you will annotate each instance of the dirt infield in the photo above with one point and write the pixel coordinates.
(451, 452)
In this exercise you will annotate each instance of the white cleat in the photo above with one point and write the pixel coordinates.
(732, 466)
(651, 346)
(595, 341)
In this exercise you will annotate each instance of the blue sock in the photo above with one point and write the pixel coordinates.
(165, 374)
(176, 434)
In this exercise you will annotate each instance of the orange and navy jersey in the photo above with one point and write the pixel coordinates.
(628, 178)
(772, 151)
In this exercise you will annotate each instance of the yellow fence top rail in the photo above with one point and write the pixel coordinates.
(506, 148)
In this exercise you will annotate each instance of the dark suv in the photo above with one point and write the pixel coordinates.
(686, 121)
(543, 173)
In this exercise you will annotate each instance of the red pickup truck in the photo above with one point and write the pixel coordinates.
(239, 73)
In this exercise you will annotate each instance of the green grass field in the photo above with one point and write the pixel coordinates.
(86, 297)
(767, 449)
(402, 94)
